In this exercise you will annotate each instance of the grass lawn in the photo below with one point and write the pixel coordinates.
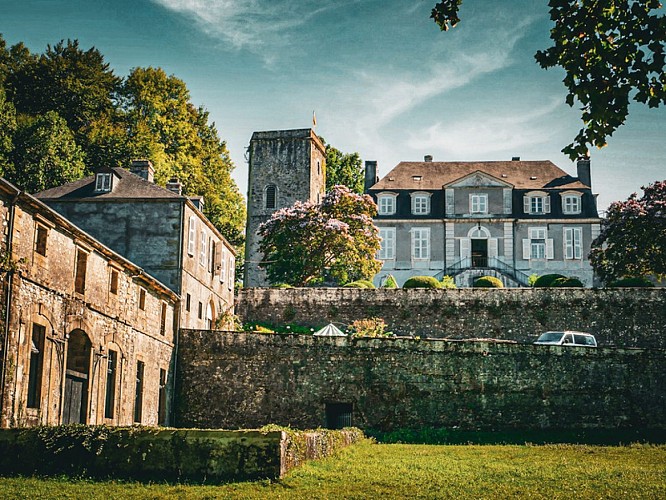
(370, 470)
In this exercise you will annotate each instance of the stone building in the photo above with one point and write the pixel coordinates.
(509, 219)
(88, 336)
(159, 229)
(285, 166)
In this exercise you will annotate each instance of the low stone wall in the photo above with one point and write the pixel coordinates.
(171, 455)
(236, 380)
(618, 317)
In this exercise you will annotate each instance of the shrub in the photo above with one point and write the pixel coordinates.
(567, 282)
(546, 280)
(360, 284)
(422, 282)
(632, 281)
(531, 279)
(488, 282)
(283, 285)
(448, 282)
(369, 327)
(390, 282)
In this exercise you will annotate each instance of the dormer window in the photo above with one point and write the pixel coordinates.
(103, 182)
(478, 203)
(536, 202)
(571, 203)
(420, 203)
(386, 204)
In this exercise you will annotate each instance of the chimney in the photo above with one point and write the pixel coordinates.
(370, 175)
(143, 168)
(175, 186)
(427, 158)
(583, 167)
(198, 202)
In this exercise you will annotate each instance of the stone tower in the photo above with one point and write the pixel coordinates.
(285, 166)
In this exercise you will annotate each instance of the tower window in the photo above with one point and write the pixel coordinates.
(271, 196)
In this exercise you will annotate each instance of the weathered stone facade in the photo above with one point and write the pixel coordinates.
(619, 317)
(233, 380)
(87, 336)
(285, 166)
(160, 230)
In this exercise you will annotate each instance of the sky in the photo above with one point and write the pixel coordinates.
(383, 80)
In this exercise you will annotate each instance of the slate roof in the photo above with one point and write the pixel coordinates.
(126, 185)
(539, 174)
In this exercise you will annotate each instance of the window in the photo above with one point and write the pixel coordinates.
(113, 282)
(36, 365)
(41, 235)
(188, 300)
(161, 404)
(142, 299)
(537, 245)
(202, 250)
(223, 269)
(191, 240)
(270, 196)
(536, 203)
(386, 204)
(571, 204)
(230, 283)
(338, 415)
(478, 203)
(387, 249)
(211, 256)
(80, 271)
(420, 203)
(420, 243)
(138, 396)
(573, 243)
(103, 183)
(200, 310)
(111, 370)
(163, 314)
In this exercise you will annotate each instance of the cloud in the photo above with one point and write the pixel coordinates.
(261, 26)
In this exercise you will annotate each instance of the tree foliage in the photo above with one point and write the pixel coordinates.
(336, 240)
(344, 169)
(71, 95)
(633, 236)
(612, 51)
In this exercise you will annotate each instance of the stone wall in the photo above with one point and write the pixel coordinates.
(618, 317)
(238, 380)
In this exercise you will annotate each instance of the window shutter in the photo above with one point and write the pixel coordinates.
(191, 236)
(218, 258)
(526, 249)
(546, 204)
(526, 204)
(465, 250)
(568, 243)
(550, 252)
(492, 248)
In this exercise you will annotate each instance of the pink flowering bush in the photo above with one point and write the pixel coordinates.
(336, 240)
(633, 236)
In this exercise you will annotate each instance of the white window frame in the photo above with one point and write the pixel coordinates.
(386, 203)
(573, 243)
(202, 249)
(572, 203)
(420, 203)
(232, 271)
(192, 236)
(223, 268)
(478, 203)
(420, 243)
(538, 246)
(103, 182)
(387, 248)
(537, 203)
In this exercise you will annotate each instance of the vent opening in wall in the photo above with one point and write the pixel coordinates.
(338, 415)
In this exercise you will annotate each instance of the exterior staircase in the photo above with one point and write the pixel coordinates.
(465, 271)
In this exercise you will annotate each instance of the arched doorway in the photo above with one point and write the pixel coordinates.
(479, 242)
(210, 314)
(77, 375)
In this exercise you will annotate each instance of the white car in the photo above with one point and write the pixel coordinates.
(567, 338)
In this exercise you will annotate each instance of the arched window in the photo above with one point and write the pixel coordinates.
(270, 196)
(478, 233)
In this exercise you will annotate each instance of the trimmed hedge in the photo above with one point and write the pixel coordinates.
(390, 282)
(488, 282)
(634, 282)
(567, 282)
(360, 284)
(152, 454)
(422, 282)
(546, 280)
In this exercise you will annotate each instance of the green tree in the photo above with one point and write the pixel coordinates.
(307, 243)
(633, 237)
(612, 51)
(344, 169)
(45, 154)
(7, 131)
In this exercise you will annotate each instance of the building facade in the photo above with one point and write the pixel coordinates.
(285, 166)
(88, 337)
(159, 229)
(509, 219)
